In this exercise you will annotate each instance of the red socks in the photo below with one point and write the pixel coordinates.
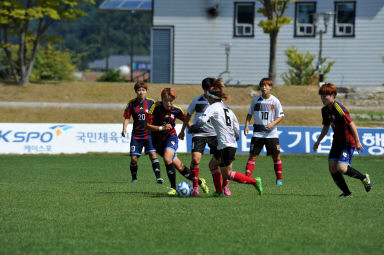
(216, 176)
(195, 174)
(278, 166)
(241, 178)
(249, 168)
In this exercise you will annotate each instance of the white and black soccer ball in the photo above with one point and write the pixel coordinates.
(184, 189)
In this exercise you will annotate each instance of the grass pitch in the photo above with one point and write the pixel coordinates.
(87, 205)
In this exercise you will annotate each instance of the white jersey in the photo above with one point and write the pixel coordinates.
(199, 105)
(265, 111)
(224, 122)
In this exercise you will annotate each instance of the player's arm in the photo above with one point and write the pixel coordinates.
(185, 124)
(203, 119)
(355, 134)
(236, 127)
(323, 133)
(125, 124)
(247, 120)
(275, 122)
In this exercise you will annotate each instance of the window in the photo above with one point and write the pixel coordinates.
(304, 25)
(344, 24)
(244, 19)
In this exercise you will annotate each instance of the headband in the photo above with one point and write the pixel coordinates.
(212, 95)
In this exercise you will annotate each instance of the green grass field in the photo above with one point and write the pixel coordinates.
(87, 205)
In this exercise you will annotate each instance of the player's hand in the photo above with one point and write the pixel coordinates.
(359, 147)
(315, 146)
(270, 126)
(167, 127)
(123, 132)
(181, 135)
(246, 130)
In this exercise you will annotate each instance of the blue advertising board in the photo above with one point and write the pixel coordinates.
(300, 140)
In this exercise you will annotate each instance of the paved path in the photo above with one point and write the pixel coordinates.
(122, 106)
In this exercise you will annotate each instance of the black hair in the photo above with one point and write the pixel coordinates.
(207, 83)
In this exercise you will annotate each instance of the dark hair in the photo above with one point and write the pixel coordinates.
(217, 89)
(266, 81)
(140, 84)
(207, 82)
(168, 92)
(328, 89)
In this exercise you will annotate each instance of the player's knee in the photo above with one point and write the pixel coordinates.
(134, 160)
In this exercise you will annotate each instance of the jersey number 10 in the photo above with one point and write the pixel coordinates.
(264, 115)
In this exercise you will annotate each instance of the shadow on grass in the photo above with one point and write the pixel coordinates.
(296, 195)
(143, 193)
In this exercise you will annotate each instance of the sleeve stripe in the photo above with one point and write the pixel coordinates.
(178, 107)
(339, 109)
(153, 107)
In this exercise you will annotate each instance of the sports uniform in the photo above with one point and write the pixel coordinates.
(227, 129)
(159, 116)
(206, 134)
(140, 137)
(265, 111)
(343, 144)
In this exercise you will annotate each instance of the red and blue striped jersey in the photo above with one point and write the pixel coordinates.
(159, 116)
(139, 112)
(338, 117)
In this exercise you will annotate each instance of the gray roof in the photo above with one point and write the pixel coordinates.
(115, 61)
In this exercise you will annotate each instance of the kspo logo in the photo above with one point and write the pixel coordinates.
(20, 136)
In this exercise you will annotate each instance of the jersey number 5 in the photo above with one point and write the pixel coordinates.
(227, 119)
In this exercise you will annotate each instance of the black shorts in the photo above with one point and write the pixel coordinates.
(199, 143)
(226, 156)
(272, 145)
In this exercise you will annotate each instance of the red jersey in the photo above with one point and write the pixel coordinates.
(338, 117)
(159, 116)
(139, 113)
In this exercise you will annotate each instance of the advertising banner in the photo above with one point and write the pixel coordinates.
(46, 138)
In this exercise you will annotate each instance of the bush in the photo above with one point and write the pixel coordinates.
(52, 64)
(111, 76)
(302, 71)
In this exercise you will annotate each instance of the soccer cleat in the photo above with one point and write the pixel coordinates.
(204, 186)
(259, 186)
(279, 182)
(217, 195)
(172, 192)
(195, 192)
(227, 192)
(345, 195)
(134, 181)
(159, 180)
(367, 183)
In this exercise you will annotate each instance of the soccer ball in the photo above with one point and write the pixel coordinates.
(184, 189)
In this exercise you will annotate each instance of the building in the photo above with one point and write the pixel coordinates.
(194, 39)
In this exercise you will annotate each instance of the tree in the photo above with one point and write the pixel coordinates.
(23, 24)
(274, 11)
(301, 70)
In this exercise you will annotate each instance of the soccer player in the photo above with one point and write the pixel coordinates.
(138, 109)
(345, 140)
(226, 126)
(268, 113)
(161, 120)
(206, 135)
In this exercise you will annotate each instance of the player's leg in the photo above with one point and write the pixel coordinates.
(216, 174)
(133, 168)
(135, 153)
(337, 177)
(272, 146)
(254, 151)
(198, 145)
(168, 157)
(228, 156)
(184, 171)
(212, 144)
(156, 167)
(343, 166)
(150, 150)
